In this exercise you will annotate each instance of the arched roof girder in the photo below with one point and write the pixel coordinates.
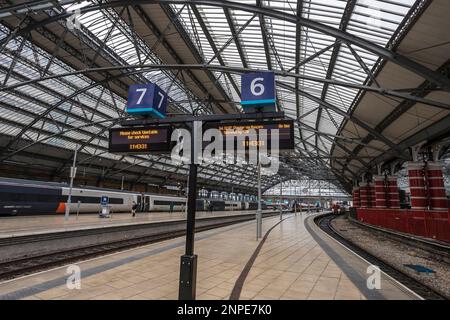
(343, 36)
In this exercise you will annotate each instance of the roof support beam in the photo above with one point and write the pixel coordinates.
(213, 46)
(395, 57)
(437, 130)
(352, 118)
(238, 70)
(334, 55)
(423, 90)
(298, 41)
(179, 27)
(266, 42)
(235, 37)
(151, 26)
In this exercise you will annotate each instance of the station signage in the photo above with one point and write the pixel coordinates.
(147, 100)
(104, 200)
(239, 131)
(258, 92)
(141, 140)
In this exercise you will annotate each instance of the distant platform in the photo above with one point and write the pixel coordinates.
(28, 225)
(296, 260)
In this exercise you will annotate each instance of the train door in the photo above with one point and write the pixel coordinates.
(139, 204)
(146, 203)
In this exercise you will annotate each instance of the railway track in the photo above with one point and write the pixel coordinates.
(22, 266)
(324, 223)
(437, 249)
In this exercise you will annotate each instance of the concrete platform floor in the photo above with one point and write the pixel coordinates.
(290, 265)
(21, 225)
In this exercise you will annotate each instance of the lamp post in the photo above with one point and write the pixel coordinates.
(188, 263)
(73, 172)
(281, 198)
(259, 211)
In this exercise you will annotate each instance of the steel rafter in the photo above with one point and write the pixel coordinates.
(296, 68)
(385, 53)
(267, 45)
(161, 37)
(334, 55)
(237, 41)
(231, 5)
(422, 90)
(238, 70)
(194, 51)
(213, 46)
(355, 120)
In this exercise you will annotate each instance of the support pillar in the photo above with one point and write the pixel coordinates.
(436, 188)
(416, 177)
(393, 199)
(371, 195)
(356, 200)
(380, 192)
(363, 194)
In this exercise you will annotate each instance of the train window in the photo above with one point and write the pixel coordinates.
(163, 202)
(28, 197)
(84, 199)
(115, 200)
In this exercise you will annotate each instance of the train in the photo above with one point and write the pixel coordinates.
(303, 207)
(293, 206)
(29, 197)
(227, 205)
(340, 207)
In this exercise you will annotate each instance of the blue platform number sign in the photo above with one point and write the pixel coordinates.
(104, 200)
(258, 91)
(147, 99)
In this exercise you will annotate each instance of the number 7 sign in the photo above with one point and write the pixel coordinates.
(147, 99)
(258, 91)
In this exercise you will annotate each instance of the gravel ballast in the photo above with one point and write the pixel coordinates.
(397, 254)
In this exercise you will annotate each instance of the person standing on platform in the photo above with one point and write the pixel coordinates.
(210, 206)
(171, 206)
(133, 209)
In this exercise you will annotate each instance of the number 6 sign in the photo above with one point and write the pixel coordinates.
(258, 91)
(147, 99)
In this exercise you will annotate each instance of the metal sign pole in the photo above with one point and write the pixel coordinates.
(281, 199)
(259, 211)
(78, 208)
(73, 171)
(188, 263)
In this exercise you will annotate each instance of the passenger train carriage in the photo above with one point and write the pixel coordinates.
(28, 197)
(34, 197)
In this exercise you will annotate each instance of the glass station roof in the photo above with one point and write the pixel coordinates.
(64, 110)
(306, 188)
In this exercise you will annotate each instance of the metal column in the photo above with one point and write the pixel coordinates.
(281, 198)
(259, 211)
(73, 172)
(188, 263)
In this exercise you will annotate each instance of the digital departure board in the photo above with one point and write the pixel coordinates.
(140, 139)
(242, 129)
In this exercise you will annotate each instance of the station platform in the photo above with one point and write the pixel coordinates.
(294, 260)
(41, 224)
